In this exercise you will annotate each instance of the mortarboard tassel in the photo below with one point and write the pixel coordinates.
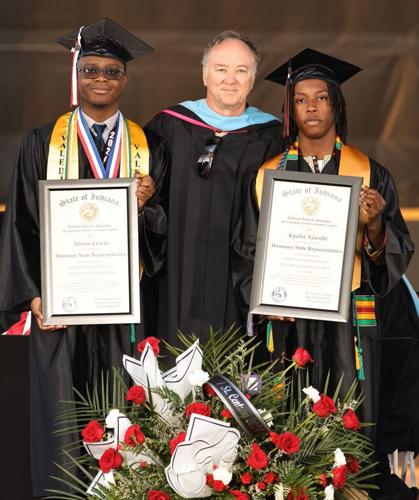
(132, 329)
(286, 129)
(269, 337)
(76, 51)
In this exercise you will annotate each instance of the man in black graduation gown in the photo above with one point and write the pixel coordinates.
(215, 145)
(60, 357)
(315, 130)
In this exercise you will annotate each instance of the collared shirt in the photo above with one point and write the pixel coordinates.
(320, 163)
(109, 122)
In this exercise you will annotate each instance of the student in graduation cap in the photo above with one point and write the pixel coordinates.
(315, 130)
(103, 141)
(215, 145)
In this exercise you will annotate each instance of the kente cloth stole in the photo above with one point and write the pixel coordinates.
(352, 162)
(63, 155)
(363, 316)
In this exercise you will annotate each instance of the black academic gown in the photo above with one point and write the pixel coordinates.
(195, 289)
(61, 360)
(331, 344)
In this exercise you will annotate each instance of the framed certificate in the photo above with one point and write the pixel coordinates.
(89, 251)
(306, 245)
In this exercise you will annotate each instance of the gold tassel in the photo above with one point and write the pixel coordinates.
(357, 360)
(269, 337)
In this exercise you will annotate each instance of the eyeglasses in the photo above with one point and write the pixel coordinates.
(204, 163)
(90, 71)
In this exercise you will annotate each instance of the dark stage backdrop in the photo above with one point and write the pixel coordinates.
(381, 36)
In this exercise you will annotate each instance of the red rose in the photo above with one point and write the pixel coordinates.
(209, 479)
(110, 459)
(136, 394)
(301, 357)
(239, 494)
(339, 476)
(288, 442)
(134, 435)
(209, 390)
(323, 480)
(226, 413)
(270, 477)
(246, 478)
(350, 420)
(200, 408)
(93, 432)
(176, 440)
(257, 458)
(352, 464)
(324, 407)
(218, 485)
(157, 495)
(154, 343)
(261, 486)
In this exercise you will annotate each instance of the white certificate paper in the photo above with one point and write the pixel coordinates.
(306, 245)
(89, 252)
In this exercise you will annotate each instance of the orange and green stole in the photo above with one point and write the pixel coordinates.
(353, 163)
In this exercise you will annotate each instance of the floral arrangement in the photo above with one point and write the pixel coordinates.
(253, 432)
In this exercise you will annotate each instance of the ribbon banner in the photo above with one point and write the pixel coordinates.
(238, 405)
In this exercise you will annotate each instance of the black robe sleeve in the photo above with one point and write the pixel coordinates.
(152, 221)
(19, 242)
(244, 247)
(399, 246)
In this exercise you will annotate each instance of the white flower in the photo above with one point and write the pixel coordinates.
(112, 418)
(222, 474)
(267, 417)
(198, 377)
(329, 492)
(312, 393)
(339, 458)
(279, 492)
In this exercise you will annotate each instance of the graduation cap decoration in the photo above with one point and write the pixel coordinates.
(310, 64)
(103, 38)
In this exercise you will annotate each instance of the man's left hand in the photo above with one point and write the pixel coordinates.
(145, 189)
(372, 204)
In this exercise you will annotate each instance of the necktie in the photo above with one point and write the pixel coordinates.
(100, 143)
(316, 165)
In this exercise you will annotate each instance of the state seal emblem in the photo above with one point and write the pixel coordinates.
(310, 205)
(89, 212)
(279, 294)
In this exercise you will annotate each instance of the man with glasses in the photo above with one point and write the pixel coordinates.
(60, 357)
(215, 145)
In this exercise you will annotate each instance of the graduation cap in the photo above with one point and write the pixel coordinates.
(310, 64)
(103, 38)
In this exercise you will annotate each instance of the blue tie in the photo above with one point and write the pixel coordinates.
(100, 143)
